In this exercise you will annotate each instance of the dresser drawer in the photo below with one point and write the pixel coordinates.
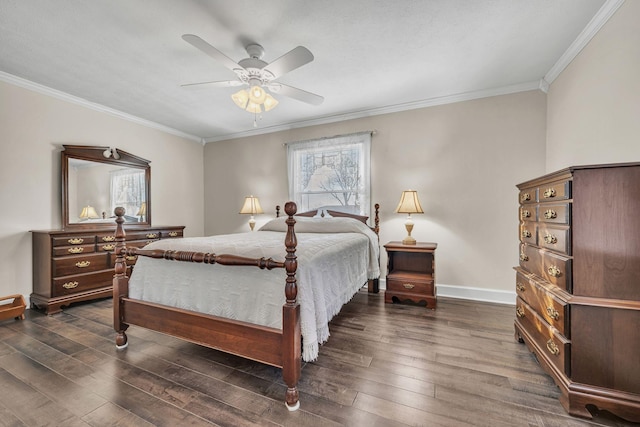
(80, 264)
(73, 240)
(556, 213)
(556, 191)
(59, 251)
(555, 347)
(556, 269)
(170, 234)
(554, 238)
(82, 282)
(548, 306)
(528, 232)
(409, 284)
(528, 195)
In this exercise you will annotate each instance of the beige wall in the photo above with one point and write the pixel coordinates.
(33, 128)
(593, 110)
(464, 159)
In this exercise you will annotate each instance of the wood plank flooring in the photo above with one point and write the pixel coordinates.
(384, 365)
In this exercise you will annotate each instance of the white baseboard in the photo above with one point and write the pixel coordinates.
(469, 293)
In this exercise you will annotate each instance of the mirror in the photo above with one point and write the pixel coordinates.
(97, 179)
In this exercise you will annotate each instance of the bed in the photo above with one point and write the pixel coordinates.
(282, 328)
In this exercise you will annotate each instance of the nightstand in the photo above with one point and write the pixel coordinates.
(411, 273)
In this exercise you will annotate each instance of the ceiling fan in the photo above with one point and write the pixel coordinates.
(258, 75)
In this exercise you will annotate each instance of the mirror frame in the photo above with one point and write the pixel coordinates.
(96, 154)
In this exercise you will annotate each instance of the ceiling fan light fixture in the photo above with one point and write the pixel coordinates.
(241, 98)
(252, 107)
(269, 102)
(257, 95)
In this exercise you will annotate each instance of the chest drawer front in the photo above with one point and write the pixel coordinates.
(554, 238)
(60, 251)
(530, 258)
(73, 240)
(556, 269)
(552, 309)
(528, 232)
(555, 347)
(398, 283)
(528, 195)
(555, 191)
(556, 213)
(80, 264)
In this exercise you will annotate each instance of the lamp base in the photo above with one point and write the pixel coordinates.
(408, 241)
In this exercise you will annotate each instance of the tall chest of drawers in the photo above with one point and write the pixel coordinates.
(578, 284)
(72, 266)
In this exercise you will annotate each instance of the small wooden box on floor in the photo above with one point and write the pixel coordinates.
(13, 309)
(411, 273)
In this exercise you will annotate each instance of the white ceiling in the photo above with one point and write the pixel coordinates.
(371, 56)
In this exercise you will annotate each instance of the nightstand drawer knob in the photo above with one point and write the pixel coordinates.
(408, 286)
(70, 285)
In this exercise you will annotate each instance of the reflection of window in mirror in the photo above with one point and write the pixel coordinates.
(128, 191)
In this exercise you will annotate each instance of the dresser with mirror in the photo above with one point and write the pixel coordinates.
(75, 263)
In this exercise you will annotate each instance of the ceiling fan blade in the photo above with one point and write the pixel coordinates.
(295, 93)
(289, 61)
(225, 83)
(205, 47)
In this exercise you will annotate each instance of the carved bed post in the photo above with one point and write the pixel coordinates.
(373, 285)
(291, 335)
(120, 281)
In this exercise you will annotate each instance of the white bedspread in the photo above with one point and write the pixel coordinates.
(336, 256)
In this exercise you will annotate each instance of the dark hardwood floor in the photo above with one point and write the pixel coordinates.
(384, 365)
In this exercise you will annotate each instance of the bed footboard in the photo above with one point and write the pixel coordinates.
(281, 348)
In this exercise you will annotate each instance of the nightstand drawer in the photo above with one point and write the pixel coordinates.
(410, 284)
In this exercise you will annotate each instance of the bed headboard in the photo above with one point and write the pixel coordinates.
(360, 218)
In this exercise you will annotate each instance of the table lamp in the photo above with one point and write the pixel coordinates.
(251, 207)
(409, 204)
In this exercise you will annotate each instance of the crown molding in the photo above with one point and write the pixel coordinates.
(431, 102)
(600, 18)
(36, 87)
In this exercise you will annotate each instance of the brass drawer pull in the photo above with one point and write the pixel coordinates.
(75, 250)
(108, 247)
(520, 287)
(82, 264)
(130, 258)
(526, 234)
(75, 241)
(523, 257)
(550, 214)
(108, 238)
(550, 239)
(554, 271)
(408, 286)
(173, 233)
(552, 347)
(553, 313)
(152, 235)
(525, 197)
(525, 214)
(70, 285)
(520, 312)
(549, 193)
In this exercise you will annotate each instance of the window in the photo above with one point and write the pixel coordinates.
(331, 173)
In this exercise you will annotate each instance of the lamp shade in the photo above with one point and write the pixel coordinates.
(143, 209)
(89, 212)
(409, 203)
(251, 206)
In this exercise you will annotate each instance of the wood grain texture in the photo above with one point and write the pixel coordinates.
(384, 365)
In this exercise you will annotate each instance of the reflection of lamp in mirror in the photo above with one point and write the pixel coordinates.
(251, 207)
(142, 212)
(409, 204)
(89, 212)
